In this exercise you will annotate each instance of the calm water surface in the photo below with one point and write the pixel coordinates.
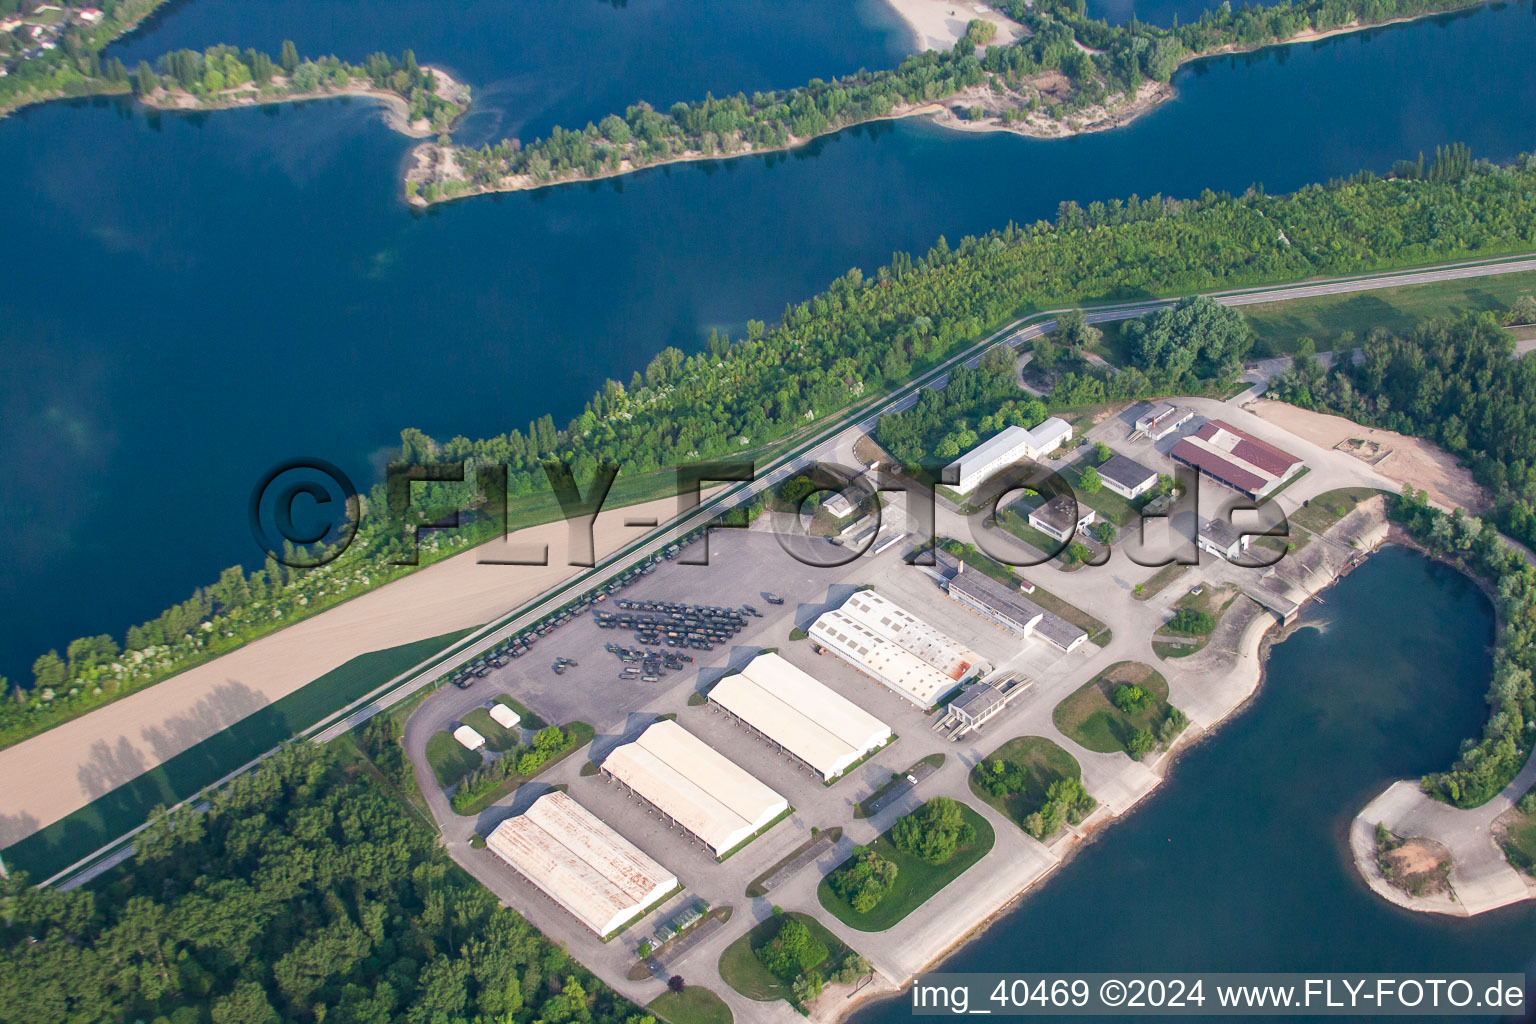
(1239, 862)
(203, 296)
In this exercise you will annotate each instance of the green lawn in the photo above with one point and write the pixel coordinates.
(578, 735)
(529, 719)
(916, 879)
(1213, 601)
(182, 776)
(449, 760)
(694, 1005)
(1280, 325)
(1089, 717)
(1329, 507)
(1045, 761)
(496, 737)
(1109, 505)
(1520, 840)
(742, 970)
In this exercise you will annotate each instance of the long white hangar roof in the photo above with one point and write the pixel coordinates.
(821, 728)
(694, 785)
(596, 874)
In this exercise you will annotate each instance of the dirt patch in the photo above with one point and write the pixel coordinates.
(1417, 866)
(1053, 84)
(868, 452)
(1407, 460)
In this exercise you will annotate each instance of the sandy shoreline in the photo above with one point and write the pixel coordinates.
(395, 109)
(933, 28)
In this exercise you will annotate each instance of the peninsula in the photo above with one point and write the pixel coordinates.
(1048, 71)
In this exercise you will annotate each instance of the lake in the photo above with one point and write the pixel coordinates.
(1239, 862)
(200, 297)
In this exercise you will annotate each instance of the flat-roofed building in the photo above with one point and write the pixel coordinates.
(1221, 538)
(705, 793)
(796, 713)
(882, 639)
(504, 716)
(1061, 517)
(469, 738)
(1007, 447)
(595, 874)
(1127, 477)
(977, 703)
(1004, 607)
(1236, 458)
(1163, 419)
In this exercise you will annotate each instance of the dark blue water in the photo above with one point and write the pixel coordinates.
(537, 63)
(1239, 862)
(204, 296)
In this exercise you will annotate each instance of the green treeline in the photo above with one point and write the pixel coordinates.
(1458, 383)
(862, 336)
(74, 66)
(1100, 61)
(302, 894)
(207, 76)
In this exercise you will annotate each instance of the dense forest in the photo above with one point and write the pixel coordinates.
(865, 334)
(302, 894)
(1064, 66)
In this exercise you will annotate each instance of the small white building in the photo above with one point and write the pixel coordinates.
(1222, 539)
(1127, 477)
(1163, 419)
(1007, 447)
(1061, 518)
(504, 716)
(468, 738)
(839, 505)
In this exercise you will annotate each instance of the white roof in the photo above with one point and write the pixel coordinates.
(695, 785)
(895, 623)
(597, 875)
(505, 716)
(1048, 435)
(471, 739)
(1004, 444)
(869, 652)
(821, 728)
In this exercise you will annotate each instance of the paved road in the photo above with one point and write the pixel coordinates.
(832, 443)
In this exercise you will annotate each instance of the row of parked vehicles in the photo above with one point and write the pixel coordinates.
(647, 665)
(676, 625)
(517, 646)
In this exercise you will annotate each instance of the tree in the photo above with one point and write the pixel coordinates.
(288, 57)
(1091, 482)
(1524, 310)
(145, 80)
(1104, 533)
(676, 983)
(1140, 744)
(934, 831)
(1101, 453)
(1131, 699)
(792, 951)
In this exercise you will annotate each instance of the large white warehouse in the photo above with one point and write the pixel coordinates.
(827, 732)
(882, 639)
(690, 782)
(597, 875)
(1007, 447)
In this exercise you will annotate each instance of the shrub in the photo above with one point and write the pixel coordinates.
(1131, 699)
(793, 951)
(864, 879)
(1191, 620)
(934, 831)
(1140, 744)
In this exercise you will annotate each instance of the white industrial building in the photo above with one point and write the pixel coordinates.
(1007, 447)
(1006, 607)
(504, 716)
(706, 794)
(796, 713)
(883, 640)
(595, 874)
(469, 738)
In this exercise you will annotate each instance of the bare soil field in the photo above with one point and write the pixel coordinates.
(1407, 460)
